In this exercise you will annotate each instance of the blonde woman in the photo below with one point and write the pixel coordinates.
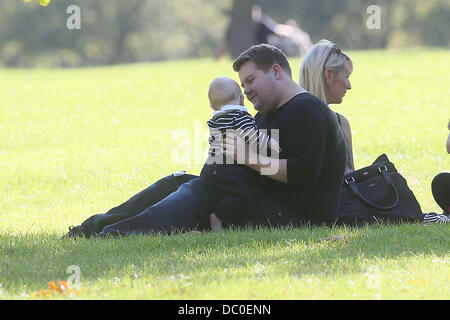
(325, 72)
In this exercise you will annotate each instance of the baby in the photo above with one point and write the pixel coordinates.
(227, 179)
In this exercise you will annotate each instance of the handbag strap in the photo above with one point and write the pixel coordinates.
(352, 184)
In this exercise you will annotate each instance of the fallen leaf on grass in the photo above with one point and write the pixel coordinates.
(58, 287)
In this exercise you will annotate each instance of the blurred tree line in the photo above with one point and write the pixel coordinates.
(118, 31)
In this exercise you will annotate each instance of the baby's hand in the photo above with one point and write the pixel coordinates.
(216, 223)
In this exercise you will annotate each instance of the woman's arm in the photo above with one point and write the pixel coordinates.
(348, 138)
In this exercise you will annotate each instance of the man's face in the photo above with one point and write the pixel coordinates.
(259, 86)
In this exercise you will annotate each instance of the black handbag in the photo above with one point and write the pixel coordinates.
(377, 193)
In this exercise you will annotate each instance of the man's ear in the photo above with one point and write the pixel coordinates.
(277, 71)
(241, 100)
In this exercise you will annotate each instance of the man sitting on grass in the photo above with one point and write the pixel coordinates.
(309, 171)
(307, 184)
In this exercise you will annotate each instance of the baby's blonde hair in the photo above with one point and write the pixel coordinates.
(322, 55)
(223, 91)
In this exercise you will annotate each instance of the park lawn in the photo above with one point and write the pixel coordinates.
(75, 142)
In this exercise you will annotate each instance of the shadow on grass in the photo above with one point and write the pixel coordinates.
(29, 261)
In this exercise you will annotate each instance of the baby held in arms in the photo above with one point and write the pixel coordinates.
(228, 178)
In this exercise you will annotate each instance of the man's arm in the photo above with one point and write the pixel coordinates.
(235, 144)
(305, 150)
(279, 164)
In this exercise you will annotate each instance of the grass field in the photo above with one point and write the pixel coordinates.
(78, 142)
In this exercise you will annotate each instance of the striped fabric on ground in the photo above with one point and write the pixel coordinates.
(433, 217)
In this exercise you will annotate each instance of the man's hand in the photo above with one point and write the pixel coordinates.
(236, 148)
(274, 145)
(274, 168)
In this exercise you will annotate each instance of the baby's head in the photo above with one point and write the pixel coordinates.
(223, 91)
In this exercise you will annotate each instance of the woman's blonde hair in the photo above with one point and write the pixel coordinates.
(324, 54)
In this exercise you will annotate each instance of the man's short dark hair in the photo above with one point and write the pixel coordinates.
(264, 56)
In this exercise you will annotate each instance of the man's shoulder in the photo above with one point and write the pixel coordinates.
(306, 100)
(306, 105)
(301, 108)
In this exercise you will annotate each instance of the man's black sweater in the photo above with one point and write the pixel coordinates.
(314, 147)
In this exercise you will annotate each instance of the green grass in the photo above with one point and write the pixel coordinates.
(77, 142)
